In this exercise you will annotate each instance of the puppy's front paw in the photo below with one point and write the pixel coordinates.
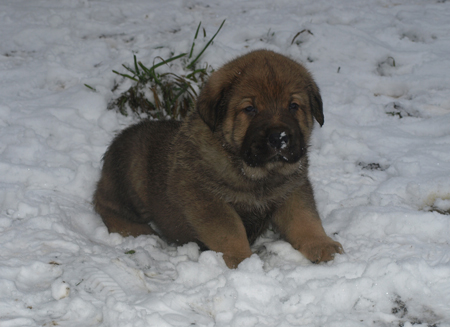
(321, 249)
(233, 261)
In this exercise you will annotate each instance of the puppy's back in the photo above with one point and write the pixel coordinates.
(133, 181)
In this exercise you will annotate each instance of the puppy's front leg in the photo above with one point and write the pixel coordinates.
(299, 223)
(220, 228)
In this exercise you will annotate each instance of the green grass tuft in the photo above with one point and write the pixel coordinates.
(164, 95)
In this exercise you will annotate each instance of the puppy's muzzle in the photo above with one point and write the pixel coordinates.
(266, 143)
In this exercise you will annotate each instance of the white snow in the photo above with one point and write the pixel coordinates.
(380, 166)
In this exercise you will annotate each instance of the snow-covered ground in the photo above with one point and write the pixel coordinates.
(380, 166)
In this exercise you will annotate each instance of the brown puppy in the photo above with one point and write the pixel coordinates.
(234, 166)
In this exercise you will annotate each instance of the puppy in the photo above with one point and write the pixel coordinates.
(234, 166)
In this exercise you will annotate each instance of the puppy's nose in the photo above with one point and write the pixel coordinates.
(278, 140)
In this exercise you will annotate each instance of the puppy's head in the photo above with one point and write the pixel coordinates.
(263, 105)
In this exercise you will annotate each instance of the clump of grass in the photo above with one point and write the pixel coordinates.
(397, 110)
(164, 95)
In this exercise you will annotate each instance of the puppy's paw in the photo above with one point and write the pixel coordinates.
(321, 249)
(233, 261)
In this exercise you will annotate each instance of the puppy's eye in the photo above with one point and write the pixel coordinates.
(294, 106)
(250, 110)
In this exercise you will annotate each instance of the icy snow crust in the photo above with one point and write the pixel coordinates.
(380, 167)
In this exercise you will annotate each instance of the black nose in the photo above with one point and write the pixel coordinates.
(278, 140)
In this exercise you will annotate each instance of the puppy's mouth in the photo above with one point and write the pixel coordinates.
(278, 163)
(262, 156)
(255, 160)
(278, 157)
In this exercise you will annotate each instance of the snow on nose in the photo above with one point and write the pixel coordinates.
(278, 140)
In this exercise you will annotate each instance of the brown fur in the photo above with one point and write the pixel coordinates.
(234, 166)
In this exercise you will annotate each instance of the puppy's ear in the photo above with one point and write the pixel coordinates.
(211, 104)
(315, 101)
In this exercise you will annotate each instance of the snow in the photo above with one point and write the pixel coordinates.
(379, 166)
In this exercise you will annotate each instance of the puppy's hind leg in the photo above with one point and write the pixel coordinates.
(118, 220)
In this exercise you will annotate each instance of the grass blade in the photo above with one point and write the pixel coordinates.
(152, 72)
(136, 67)
(90, 87)
(145, 69)
(193, 42)
(192, 75)
(125, 75)
(129, 69)
(166, 61)
(206, 46)
(156, 98)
